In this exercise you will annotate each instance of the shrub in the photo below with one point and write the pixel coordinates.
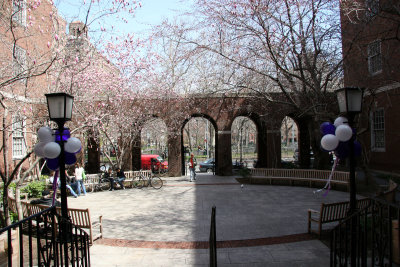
(244, 172)
(34, 189)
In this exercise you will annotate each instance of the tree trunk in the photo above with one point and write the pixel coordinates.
(18, 203)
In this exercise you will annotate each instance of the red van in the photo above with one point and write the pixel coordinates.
(155, 163)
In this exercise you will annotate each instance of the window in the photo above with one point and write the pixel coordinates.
(378, 130)
(18, 141)
(19, 11)
(19, 61)
(374, 57)
(372, 8)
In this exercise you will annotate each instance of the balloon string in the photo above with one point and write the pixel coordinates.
(328, 183)
(55, 187)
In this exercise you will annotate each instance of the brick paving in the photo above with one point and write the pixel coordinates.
(205, 244)
(256, 225)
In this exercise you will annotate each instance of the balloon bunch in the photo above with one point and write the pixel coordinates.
(336, 138)
(49, 147)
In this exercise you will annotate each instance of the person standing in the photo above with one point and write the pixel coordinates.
(79, 174)
(192, 167)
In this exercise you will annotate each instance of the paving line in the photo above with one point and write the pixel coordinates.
(205, 244)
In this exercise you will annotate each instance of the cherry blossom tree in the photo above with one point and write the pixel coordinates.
(33, 44)
(274, 46)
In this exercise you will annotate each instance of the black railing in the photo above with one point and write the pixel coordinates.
(213, 240)
(45, 239)
(376, 233)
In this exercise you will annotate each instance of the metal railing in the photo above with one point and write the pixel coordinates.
(45, 239)
(213, 240)
(376, 234)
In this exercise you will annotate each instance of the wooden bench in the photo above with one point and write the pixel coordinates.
(332, 212)
(309, 176)
(132, 176)
(390, 194)
(79, 217)
(92, 181)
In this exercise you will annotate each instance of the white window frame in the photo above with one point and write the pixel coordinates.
(375, 57)
(19, 11)
(378, 126)
(19, 61)
(18, 137)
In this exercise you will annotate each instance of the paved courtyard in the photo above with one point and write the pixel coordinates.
(260, 225)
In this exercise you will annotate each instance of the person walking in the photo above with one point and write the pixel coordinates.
(192, 167)
(79, 177)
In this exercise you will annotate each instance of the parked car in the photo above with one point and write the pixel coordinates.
(154, 162)
(207, 166)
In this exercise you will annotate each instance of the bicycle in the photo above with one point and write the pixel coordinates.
(102, 182)
(142, 181)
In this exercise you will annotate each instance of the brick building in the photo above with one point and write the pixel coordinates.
(31, 34)
(371, 51)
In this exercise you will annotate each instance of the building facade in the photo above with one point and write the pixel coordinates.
(371, 52)
(31, 34)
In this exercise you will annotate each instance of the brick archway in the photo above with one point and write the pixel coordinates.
(221, 112)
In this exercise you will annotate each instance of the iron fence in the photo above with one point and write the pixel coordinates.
(44, 239)
(375, 232)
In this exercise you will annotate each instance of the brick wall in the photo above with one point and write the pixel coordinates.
(38, 39)
(382, 88)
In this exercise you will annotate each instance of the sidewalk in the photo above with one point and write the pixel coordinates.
(261, 225)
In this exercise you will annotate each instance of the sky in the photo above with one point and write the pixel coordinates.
(151, 13)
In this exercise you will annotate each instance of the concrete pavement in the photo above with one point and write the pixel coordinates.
(261, 225)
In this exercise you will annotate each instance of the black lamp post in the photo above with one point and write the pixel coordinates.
(350, 104)
(60, 111)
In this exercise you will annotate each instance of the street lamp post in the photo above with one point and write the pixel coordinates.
(60, 111)
(350, 103)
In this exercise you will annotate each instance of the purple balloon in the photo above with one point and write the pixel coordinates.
(357, 148)
(327, 128)
(65, 135)
(342, 150)
(52, 164)
(70, 158)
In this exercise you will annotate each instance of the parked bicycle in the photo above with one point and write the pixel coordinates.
(103, 182)
(142, 181)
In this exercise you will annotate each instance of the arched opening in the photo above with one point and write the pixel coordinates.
(199, 138)
(154, 141)
(244, 142)
(289, 142)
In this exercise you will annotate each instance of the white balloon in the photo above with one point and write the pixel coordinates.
(344, 132)
(45, 134)
(73, 145)
(340, 121)
(39, 149)
(52, 150)
(329, 142)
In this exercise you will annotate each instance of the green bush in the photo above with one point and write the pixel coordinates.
(244, 172)
(34, 189)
